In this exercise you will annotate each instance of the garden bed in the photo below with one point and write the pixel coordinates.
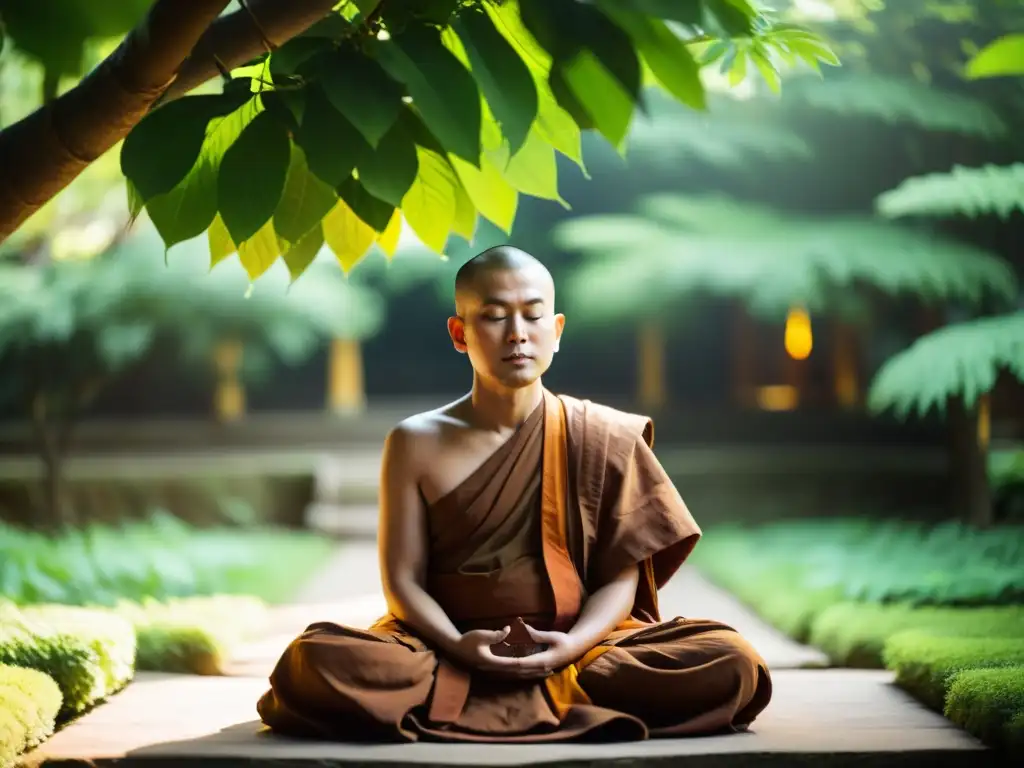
(941, 605)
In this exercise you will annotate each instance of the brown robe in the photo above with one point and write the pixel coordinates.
(575, 496)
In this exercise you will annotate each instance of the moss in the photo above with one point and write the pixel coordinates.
(29, 703)
(989, 703)
(855, 634)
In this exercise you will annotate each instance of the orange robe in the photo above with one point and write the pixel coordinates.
(575, 496)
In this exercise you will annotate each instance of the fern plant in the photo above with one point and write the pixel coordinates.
(722, 246)
(958, 360)
(989, 190)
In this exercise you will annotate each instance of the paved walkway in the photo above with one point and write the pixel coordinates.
(817, 716)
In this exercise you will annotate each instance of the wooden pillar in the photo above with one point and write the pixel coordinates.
(229, 396)
(346, 390)
(651, 366)
(845, 365)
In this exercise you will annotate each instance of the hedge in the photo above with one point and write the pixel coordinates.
(989, 703)
(29, 703)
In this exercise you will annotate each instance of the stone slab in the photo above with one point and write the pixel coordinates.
(834, 717)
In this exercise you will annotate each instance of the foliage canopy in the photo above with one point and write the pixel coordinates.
(432, 112)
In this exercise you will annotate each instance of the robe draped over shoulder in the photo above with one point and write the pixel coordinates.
(572, 499)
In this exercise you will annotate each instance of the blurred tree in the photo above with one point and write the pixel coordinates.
(771, 261)
(448, 108)
(67, 328)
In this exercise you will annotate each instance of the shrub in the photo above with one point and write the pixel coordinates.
(193, 635)
(925, 663)
(855, 634)
(989, 703)
(84, 651)
(29, 703)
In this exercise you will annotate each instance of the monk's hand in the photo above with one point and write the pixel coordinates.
(562, 650)
(473, 649)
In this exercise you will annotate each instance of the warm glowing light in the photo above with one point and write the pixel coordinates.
(778, 397)
(799, 340)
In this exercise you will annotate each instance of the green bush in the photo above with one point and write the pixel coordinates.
(29, 703)
(192, 635)
(855, 634)
(161, 558)
(925, 663)
(989, 703)
(84, 651)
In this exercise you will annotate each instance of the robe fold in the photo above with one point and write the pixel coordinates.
(572, 499)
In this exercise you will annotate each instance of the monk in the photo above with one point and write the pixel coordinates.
(523, 539)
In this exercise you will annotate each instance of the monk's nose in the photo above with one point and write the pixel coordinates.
(517, 332)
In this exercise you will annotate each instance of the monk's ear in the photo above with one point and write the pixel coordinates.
(559, 327)
(457, 330)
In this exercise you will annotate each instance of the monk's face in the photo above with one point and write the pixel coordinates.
(507, 325)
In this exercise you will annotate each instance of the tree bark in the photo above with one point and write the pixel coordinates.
(238, 37)
(44, 152)
(972, 497)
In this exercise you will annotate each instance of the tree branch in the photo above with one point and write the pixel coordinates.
(42, 153)
(239, 37)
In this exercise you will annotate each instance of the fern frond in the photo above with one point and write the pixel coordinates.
(973, 192)
(898, 101)
(961, 359)
(685, 246)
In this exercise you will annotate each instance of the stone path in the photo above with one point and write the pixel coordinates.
(817, 716)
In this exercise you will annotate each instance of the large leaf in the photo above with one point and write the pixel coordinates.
(161, 150)
(376, 213)
(299, 256)
(259, 252)
(332, 145)
(963, 360)
(305, 200)
(504, 78)
(999, 58)
(443, 90)
(388, 171)
(188, 209)
(363, 92)
(252, 176)
(348, 236)
(972, 192)
(488, 191)
(533, 170)
(429, 205)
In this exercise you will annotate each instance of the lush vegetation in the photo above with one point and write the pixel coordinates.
(939, 604)
(29, 703)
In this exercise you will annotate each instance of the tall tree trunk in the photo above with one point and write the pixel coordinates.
(346, 385)
(651, 375)
(969, 437)
(51, 443)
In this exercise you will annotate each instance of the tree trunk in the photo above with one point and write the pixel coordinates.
(51, 453)
(229, 395)
(969, 433)
(845, 365)
(45, 151)
(744, 367)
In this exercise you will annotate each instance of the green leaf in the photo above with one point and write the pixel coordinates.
(362, 91)
(443, 90)
(429, 206)
(221, 244)
(464, 224)
(533, 170)
(347, 236)
(664, 52)
(388, 239)
(299, 256)
(554, 123)
(489, 191)
(305, 200)
(608, 105)
(767, 69)
(333, 146)
(284, 61)
(252, 176)
(389, 171)
(1004, 56)
(259, 252)
(159, 151)
(376, 213)
(504, 78)
(188, 209)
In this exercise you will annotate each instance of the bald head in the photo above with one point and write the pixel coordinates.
(472, 276)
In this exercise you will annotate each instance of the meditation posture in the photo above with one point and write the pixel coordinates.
(523, 539)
